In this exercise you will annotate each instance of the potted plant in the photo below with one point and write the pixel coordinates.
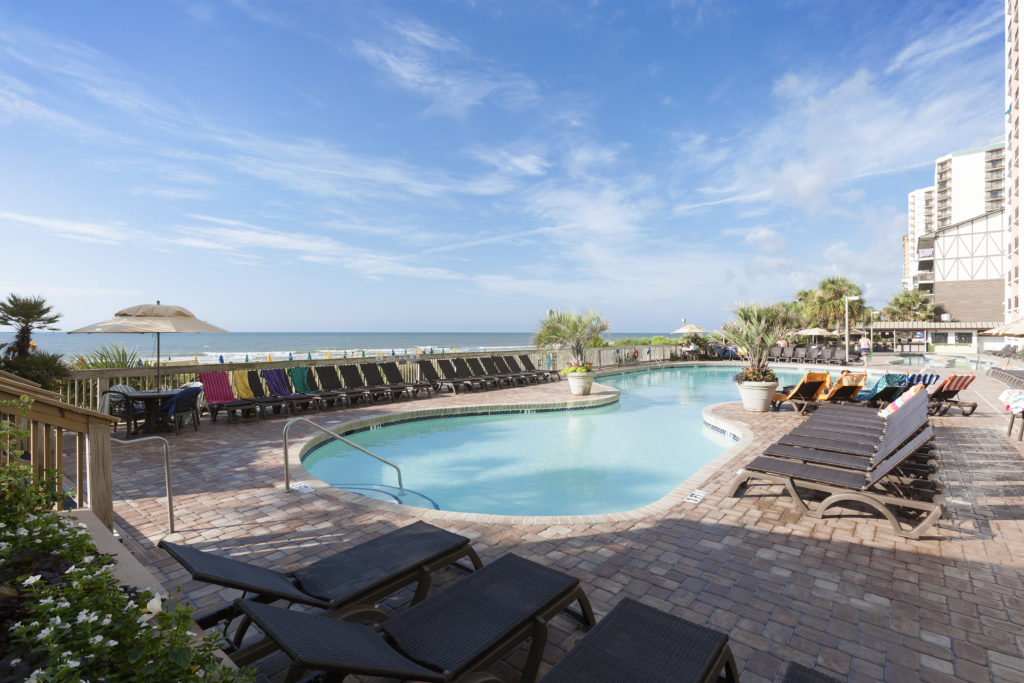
(572, 331)
(755, 330)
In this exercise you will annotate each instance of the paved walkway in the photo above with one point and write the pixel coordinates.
(840, 594)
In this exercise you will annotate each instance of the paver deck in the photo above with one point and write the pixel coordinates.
(841, 594)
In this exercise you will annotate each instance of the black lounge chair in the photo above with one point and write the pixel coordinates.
(341, 584)
(533, 375)
(517, 374)
(262, 398)
(354, 381)
(635, 642)
(799, 355)
(465, 377)
(471, 368)
(304, 381)
(787, 354)
(491, 368)
(429, 373)
(375, 381)
(277, 382)
(329, 380)
(459, 631)
(775, 353)
(528, 365)
(945, 395)
(394, 377)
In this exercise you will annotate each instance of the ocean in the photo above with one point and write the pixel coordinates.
(236, 346)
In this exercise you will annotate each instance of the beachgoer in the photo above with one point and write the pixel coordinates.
(865, 348)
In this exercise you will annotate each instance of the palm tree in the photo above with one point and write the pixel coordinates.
(570, 330)
(756, 328)
(828, 304)
(25, 314)
(910, 305)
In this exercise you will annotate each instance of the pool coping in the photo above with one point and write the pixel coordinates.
(737, 431)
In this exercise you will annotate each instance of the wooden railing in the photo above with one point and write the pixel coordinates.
(48, 421)
(85, 387)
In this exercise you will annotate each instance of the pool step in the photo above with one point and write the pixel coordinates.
(392, 494)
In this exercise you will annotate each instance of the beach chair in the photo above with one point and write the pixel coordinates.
(635, 642)
(218, 395)
(775, 353)
(277, 383)
(375, 381)
(394, 378)
(845, 388)
(518, 375)
(528, 365)
(453, 633)
(803, 393)
(304, 381)
(887, 388)
(354, 381)
(341, 584)
(533, 375)
(799, 355)
(429, 373)
(944, 396)
(787, 354)
(464, 378)
(923, 378)
(329, 380)
(185, 402)
(472, 367)
(248, 385)
(492, 369)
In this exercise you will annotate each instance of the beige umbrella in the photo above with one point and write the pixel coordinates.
(814, 332)
(689, 329)
(1014, 329)
(150, 318)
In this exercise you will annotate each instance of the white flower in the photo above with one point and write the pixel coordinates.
(22, 531)
(15, 662)
(95, 640)
(88, 558)
(32, 579)
(82, 616)
(3, 546)
(45, 632)
(72, 663)
(14, 626)
(56, 620)
(105, 622)
(4, 526)
(63, 604)
(143, 619)
(46, 601)
(111, 643)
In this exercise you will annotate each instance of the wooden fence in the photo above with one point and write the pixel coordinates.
(50, 422)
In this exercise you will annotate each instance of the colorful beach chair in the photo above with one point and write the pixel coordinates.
(945, 395)
(219, 396)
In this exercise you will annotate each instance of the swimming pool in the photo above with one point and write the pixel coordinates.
(610, 459)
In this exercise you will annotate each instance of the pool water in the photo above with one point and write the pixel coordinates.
(610, 459)
(916, 360)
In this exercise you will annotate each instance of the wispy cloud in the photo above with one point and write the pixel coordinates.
(948, 38)
(82, 231)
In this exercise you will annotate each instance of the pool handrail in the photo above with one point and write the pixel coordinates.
(167, 471)
(339, 437)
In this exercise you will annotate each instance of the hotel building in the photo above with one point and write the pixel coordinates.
(1012, 175)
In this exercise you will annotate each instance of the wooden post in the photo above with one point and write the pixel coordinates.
(58, 451)
(101, 491)
(80, 453)
(37, 438)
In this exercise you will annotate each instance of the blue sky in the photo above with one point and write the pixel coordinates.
(465, 166)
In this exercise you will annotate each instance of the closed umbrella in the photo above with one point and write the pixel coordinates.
(150, 318)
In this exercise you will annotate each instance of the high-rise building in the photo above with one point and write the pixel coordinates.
(1012, 166)
(920, 221)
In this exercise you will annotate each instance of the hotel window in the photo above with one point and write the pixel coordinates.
(964, 338)
(940, 337)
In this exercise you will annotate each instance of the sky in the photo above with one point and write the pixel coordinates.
(468, 165)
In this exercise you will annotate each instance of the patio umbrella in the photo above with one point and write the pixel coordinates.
(689, 329)
(150, 318)
(1014, 329)
(814, 332)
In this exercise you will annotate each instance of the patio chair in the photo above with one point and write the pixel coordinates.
(343, 584)
(799, 355)
(787, 354)
(249, 385)
(375, 382)
(945, 395)
(635, 642)
(528, 365)
(394, 377)
(803, 393)
(354, 381)
(454, 374)
(185, 402)
(887, 388)
(327, 377)
(775, 353)
(492, 369)
(277, 382)
(845, 388)
(219, 396)
(429, 373)
(114, 402)
(532, 375)
(304, 381)
(517, 374)
(459, 631)
(472, 368)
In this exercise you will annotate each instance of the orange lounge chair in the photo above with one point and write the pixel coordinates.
(803, 393)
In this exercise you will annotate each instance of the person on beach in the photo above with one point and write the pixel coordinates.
(865, 348)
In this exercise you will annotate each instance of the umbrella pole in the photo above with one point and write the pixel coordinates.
(158, 361)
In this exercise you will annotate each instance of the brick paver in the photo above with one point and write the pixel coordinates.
(841, 594)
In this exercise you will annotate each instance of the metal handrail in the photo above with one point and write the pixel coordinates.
(287, 477)
(167, 472)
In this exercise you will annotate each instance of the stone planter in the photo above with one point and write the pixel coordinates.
(580, 383)
(757, 396)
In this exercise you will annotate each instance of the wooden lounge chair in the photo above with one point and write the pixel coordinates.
(347, 582)
(375, 381)
(945, 394)
(219, 396)
(635, 642)
(803, 393)
(528, 365)
(394, 377)
(304, 381)
(278, 385)
(354, 381)
(451, 634)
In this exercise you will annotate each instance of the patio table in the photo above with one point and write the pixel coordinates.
(151, 401)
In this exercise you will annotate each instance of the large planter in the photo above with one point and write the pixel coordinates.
(757, 396)
(580, 382)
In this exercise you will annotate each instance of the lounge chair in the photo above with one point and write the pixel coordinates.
(394, 377)
(456, 632)
(516, 373)
(249, 385)
(528, 365)
(532, 375)
(185, 402)
(354, 381)
(341, 584)
(803, 393)
(945, 394)
(635, 642)
(429, 373)
(277, 382)
(329, 380)
(456, 375)
(774, 353)
(492, 369)
(375, 382)
(923, 378)
(845, 388)
(304, 381)
(473, 368)
(219, 396)
(787, 354)
(799, 355)
(887, 388)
